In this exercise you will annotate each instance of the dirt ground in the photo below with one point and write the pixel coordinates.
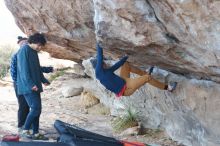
(56, 107)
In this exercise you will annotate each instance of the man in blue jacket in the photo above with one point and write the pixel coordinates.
(123, 85)
(23, 108)
(29, 82)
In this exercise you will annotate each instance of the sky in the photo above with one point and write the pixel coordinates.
(8, 29)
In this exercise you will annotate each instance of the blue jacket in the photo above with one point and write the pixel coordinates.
(107, 77)
(29, 72)
(13, 68)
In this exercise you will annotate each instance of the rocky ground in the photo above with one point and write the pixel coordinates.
(69, 110)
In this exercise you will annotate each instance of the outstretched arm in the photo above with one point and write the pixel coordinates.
(46, 69)
(99, 57)
(43, 79)
(119, 63)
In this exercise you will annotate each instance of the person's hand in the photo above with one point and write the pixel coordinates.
(51, 69)
(123, 56)
(35, 88)
(97, 45)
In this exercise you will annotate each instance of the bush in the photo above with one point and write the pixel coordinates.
(126, 121)
(6, 52)
(58, 73)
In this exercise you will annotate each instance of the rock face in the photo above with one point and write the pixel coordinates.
(180, 36)
(68, 25)
(190, 114)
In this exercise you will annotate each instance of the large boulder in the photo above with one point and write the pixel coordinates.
(180, 37)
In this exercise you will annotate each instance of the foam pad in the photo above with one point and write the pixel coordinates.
(72, 134)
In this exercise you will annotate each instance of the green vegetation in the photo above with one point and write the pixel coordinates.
(6, 52)
(126, 121)
(57, 74)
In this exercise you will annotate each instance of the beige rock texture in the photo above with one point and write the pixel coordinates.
(88, 100)
(178, 36)
(68, 25)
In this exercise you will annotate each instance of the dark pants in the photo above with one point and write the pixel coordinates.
(34, 102)
(23, 108)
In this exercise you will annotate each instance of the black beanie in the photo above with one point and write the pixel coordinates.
(20, 38)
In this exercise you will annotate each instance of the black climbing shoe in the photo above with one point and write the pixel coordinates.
(151, 70)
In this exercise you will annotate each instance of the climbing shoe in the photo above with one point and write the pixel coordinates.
(151, 70)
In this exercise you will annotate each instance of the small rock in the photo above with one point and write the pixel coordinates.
(131, 131)
(71, 91)
(78, 69)
(87, 99)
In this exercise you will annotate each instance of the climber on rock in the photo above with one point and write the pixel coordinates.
(123, 85)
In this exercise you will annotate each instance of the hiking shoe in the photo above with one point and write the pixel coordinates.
(172, 86)
(20, 130)
(25, 135)
(39, 136)
(151, 70)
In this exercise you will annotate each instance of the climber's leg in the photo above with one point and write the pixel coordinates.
(133, 84)
(126, 69)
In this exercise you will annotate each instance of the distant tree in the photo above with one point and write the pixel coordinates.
(6, 52)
